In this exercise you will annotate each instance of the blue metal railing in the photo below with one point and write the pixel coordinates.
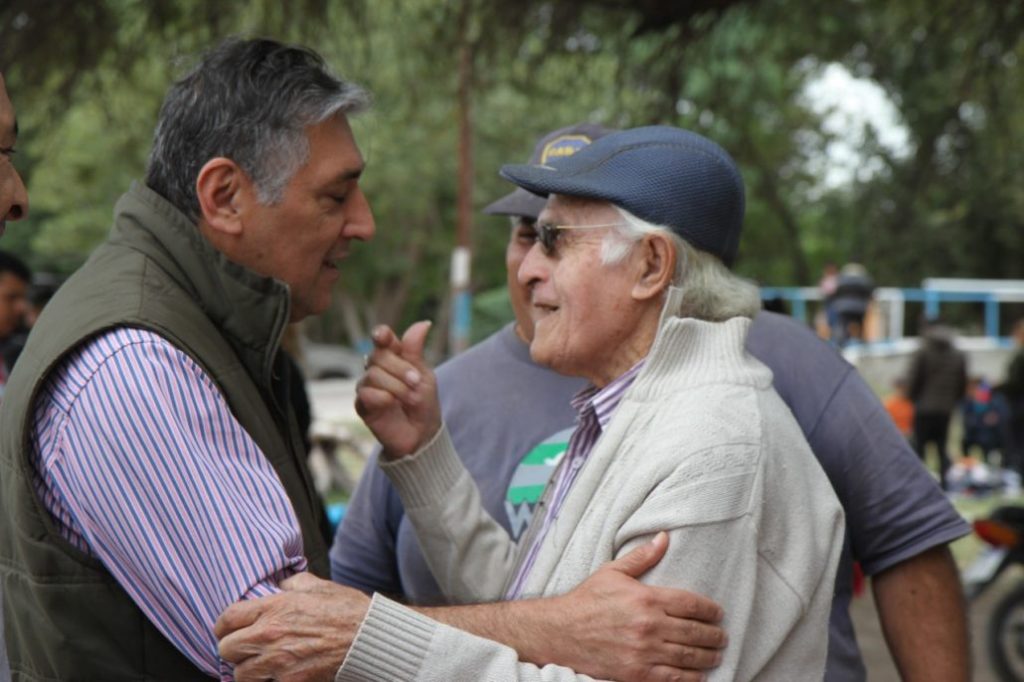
(932, 298)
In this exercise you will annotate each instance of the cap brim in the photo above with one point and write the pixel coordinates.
(546, 180)
(518, 203)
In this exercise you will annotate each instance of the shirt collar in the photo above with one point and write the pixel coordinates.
(604, 401)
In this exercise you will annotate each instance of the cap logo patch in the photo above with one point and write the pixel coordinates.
(563, 146)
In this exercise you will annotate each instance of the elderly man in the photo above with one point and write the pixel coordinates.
(653, 320)
(151, 471)
(510, 419)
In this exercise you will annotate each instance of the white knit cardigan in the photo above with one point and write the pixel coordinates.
(701, 447)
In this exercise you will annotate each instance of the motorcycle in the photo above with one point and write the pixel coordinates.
(1003, 530)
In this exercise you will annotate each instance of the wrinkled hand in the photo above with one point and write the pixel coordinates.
(301, 635)
(625, 630)
(397, 397)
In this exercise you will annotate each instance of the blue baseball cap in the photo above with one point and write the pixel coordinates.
(555, 145)
(664, 175)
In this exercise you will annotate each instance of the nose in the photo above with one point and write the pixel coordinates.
(359, 222)
(19, 199)
(535, 266)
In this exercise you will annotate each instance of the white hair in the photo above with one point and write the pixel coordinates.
(711, 291)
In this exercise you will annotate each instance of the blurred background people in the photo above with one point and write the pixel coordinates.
(936, 382)
(44, 286)
(901, 408)
(985, 417)
(1013, 389)
(848, 304)
(15, 278)
(825, 319)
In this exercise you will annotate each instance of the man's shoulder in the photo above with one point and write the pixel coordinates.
(776, 337)
(807, 371)
(893, 508)
(116, 340)
(119, 345)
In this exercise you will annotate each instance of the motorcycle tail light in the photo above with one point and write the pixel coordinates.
(995, 533)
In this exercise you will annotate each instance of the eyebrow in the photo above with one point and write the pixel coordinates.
(352, 174)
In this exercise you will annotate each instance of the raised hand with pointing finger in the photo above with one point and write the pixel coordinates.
(397, 396)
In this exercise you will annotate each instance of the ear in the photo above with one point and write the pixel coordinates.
(223, 190)
(657, 266)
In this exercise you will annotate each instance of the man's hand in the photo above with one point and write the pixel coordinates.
(397, 397)
(610, 627)
(625, 630)
(301, 635)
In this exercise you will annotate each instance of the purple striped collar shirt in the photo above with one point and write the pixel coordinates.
(595, 407)
(140, 461)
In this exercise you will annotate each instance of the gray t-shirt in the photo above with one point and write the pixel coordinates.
(510, 419)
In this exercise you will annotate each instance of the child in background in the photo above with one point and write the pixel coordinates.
(900, 408)
(985, 416)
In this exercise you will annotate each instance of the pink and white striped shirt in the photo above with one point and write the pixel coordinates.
(142, 465)
(595, 407)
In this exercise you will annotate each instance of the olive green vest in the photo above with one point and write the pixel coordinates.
(66, 617)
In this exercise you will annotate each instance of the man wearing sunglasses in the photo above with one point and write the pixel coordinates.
(499, 405)
(897, 519)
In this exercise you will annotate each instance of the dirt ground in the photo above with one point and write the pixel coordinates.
(876, 655)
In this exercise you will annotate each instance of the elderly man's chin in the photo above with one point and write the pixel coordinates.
(541, 346)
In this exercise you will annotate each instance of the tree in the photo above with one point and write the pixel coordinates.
(736, 71)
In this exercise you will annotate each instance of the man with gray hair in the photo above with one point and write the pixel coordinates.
(151, 469)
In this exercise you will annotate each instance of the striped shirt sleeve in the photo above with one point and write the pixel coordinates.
(140, 461)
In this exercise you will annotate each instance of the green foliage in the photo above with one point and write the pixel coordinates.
(952, 205)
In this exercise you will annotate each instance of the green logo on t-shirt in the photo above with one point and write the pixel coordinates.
(530, 478)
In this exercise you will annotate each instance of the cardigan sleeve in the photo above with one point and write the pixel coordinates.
(470, 554)
(398, 643)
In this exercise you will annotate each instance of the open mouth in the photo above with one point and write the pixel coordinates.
(333, 262)
(542, 310)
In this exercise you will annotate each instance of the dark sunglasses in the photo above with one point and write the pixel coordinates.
(547, 234)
